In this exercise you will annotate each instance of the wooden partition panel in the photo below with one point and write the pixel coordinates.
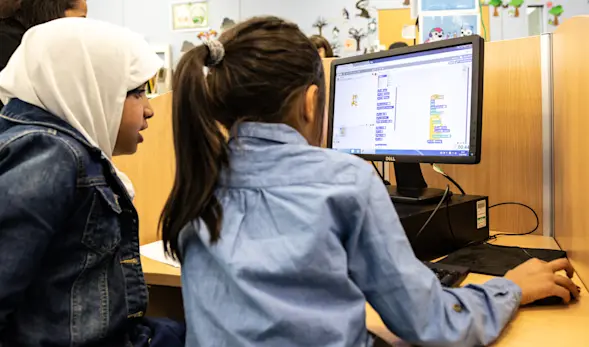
(327, 70)
(571, 141)
(152, 168)
(511, 165)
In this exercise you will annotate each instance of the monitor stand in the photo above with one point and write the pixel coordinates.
(411, 187)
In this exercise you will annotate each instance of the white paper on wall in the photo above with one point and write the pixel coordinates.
(409, 32)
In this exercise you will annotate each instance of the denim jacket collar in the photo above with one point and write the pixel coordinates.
(18, 111)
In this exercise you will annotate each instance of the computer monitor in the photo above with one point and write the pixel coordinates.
(419, 104)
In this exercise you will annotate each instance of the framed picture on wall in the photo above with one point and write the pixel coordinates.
(448, 26)
(190, 15)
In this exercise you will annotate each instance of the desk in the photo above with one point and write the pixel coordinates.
(533, 326)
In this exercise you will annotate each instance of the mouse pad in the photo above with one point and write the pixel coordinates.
(488, 259)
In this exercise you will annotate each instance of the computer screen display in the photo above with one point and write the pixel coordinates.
(413, 104)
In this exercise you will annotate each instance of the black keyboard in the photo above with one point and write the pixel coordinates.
(449, 275)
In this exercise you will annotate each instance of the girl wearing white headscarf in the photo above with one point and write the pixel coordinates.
(70, 271)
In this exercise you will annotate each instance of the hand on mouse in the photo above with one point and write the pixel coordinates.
(538, 280)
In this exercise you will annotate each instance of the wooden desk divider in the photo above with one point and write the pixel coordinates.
(511, 165)
(571, 141)
(327, 70)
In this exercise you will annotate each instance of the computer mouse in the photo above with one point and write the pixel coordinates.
(551, 301)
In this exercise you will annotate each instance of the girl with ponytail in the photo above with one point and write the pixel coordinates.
(282, 242)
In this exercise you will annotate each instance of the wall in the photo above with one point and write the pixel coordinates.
(505, 26)
(571, 8)
(152, 17)
(306, 12)
(107, 10)
(302, 12)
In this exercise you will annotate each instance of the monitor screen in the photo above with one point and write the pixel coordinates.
(413, 104)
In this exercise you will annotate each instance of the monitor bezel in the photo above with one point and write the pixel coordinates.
(476, 121)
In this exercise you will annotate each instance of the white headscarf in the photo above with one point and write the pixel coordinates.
(80, 70)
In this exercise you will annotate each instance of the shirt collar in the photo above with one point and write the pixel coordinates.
(276, 132)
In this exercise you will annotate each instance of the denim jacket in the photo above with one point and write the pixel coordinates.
(70, 271)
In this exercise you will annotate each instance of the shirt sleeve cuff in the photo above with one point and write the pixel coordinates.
(504, 287)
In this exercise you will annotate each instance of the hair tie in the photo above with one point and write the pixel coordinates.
(216, 52)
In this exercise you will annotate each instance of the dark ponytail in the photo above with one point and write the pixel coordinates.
(200, 153)
(267, 67)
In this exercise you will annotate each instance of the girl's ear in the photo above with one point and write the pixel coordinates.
(310, 104)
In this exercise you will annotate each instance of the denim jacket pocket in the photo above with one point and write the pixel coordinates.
(103, 231)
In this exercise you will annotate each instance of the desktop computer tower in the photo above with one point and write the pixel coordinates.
(460, 221)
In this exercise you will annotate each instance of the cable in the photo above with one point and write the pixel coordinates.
(417, 29)
(522, 205)
(482, 21)
(441, 172)
(454, 240)
(434, 211)
(378, 171)
(382, 177)
(494, 237)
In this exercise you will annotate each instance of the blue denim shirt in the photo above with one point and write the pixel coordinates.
(309, 235)
(70, 273)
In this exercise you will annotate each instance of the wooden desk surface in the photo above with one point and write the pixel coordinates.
(533, 326)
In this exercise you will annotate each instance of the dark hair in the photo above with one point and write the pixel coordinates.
(399, 44)
(268, 66)
(321, 42)
(8, 8)
(35, 12)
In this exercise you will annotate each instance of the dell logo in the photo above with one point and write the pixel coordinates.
(389, 158)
